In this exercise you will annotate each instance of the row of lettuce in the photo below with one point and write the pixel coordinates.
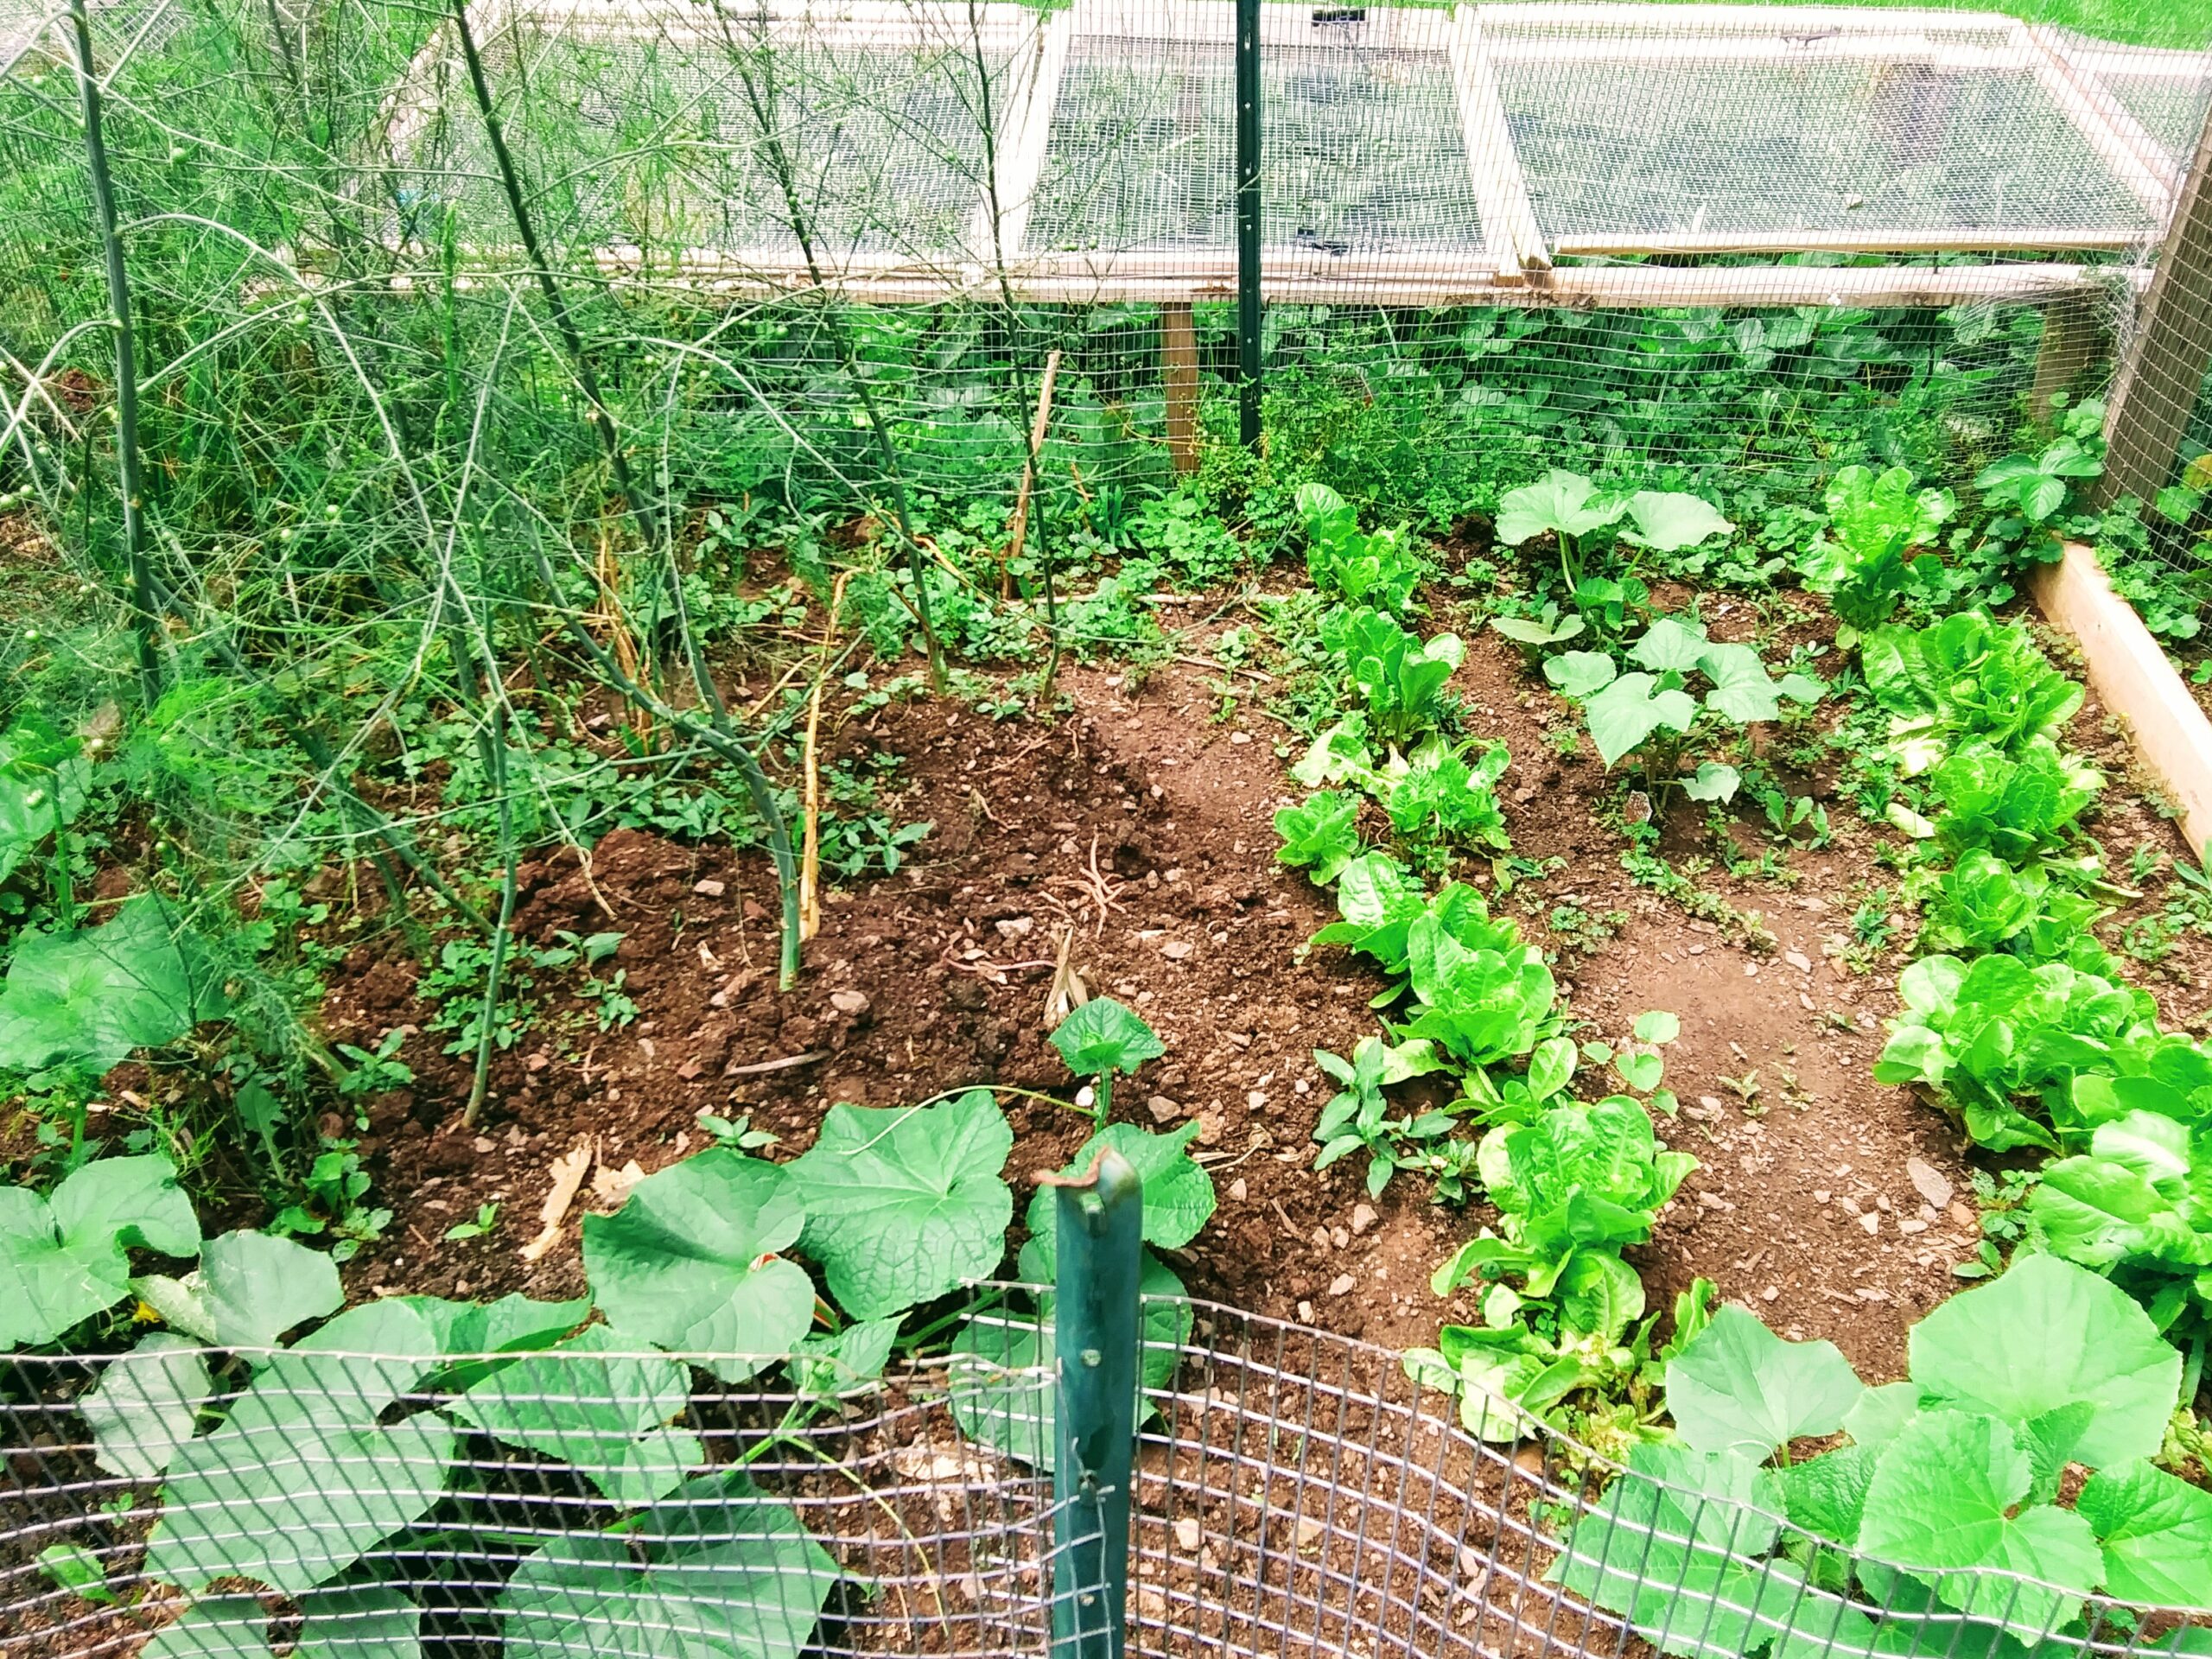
(1944, 1521)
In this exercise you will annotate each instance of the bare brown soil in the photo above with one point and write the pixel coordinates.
(1140, 822)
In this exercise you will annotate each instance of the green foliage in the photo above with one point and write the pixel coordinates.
(1875, 520)
(249, 1289)
(1578, 1180)
(2020, 806)
(904, 1205)
(1624, 711)
(1400, 678)
(719, 1571)
(1570, 508)
(689, 1262)
(1319, 835)
(1964, 680)
(1102, 1037)
(43, 778)
(1380, 570)
(1478, 1003)
(1996, 1039)
(1358, 1117)
(63, 1256)
(82, 1001)
(2035, 486)
(1947, 1481)
(1982, 904)
(1441, 801)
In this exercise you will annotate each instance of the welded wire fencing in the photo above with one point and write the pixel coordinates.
(1292, 1494)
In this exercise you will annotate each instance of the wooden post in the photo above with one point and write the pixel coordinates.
(2073, 337)
(2157, 389)
(1178, 368)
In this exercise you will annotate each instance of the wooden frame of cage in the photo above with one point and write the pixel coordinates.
(1516, 260)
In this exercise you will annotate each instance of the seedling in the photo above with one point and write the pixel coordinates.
(1101, 1037)
(487, 1217)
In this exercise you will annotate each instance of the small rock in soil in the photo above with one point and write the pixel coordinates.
(710, 888)
(1341, 1285)
(1209, 1128)
(1186, 1534)
(1238, 1191)
(1872, 1220)
(1177, 950)
(1928, 1181)
(1798, 960)
(854, 1003)
(1961, 1215)
(1163, 1109)
(1362, 1217)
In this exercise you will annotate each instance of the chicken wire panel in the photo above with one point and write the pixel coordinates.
(829, 137)
(2163, 93)
(1360, 143)
(1710, 127)
(1294, 1495)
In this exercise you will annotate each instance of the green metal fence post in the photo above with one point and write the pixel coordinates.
(1097, 1324)
(1248, 221)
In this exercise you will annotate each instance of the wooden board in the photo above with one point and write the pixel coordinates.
(1512, 237)
(2132, 677)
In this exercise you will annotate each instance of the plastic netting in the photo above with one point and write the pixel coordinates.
(1293, 1494)
(828, 250)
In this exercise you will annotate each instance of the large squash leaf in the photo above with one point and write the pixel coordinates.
(85, 1000)
(2043, 1336)
(717, 1570)
(62, 1255)
(1739, 1388)
(249, 1289)
(303, 1478)
(590, 1405)
(145, 1403)
(904, 1205)
(2156, 1533)
(689, 1263)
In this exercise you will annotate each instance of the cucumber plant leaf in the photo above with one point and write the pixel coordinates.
(1949, 1492)
(1670, 642)
(1566, 504)
(689, 1262)
(1713, 781)
(1179, 1196)
(591, 1405)
(85, 1000)
(2156, 1533)
(2092, 1342)
(1742, 690)
(215, 1627)
(303, 1477)
(903, 1205)
(1104, 1036)
(1631, 709)
(63, 1254)
(1580, 674)
(145, 1403)
(249, 1289)
(359, 1621)
(1669, 521)
(1739, 1388)
(716, 1571)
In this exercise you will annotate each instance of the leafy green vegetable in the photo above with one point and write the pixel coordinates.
(304, 1476)
(589, 1405)
(1478, 1003)
(1321, 835)
(1401, 677)
(689, 1263)
(1100, 1038)
(1876, 519)
(63, 1256)
(1577, 1179)
(1997, 1037)
(718, 1571)
(1178, 1197)
(1982, 904)
(145, 1404)
(2156, 1534)
(1533, 633)
(1440, 797)
(1380, 569)
(1356, 1117)
(249, 1289)
(1625, 711)
(1739, 1388)
(904, 1205)
(84, 1000)
(2018, 805)
(2138, 1208)
(1962, 680)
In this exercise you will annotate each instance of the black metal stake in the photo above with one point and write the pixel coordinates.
(1248, 221)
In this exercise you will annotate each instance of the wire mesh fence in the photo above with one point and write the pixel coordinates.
(1292, 1494)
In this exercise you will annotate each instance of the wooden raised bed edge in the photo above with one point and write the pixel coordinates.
(2131, 673)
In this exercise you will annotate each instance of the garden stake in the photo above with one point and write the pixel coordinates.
(1097, 1334)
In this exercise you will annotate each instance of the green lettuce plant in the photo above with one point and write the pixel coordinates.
(1441, 801)
(1380, 567)
(1982, 904)
(1965, 679)
(2021, 806)
(1400, 677)
(1874, 520)
(1321, 835)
